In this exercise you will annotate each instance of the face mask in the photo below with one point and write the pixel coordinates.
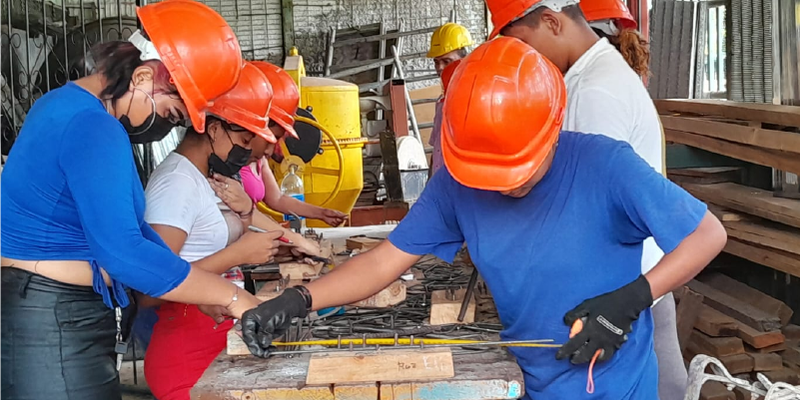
(237, 158)
(153, 129)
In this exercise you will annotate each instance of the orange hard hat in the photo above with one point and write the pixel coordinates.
(505, 11)
(447, 74)
(198, 48)
(286, 96)
(502, 115)
(598, 10)
(248, 103)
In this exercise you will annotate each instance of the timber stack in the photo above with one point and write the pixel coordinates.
(762, 227)
(748, 330)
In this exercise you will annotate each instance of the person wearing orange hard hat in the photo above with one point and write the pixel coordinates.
(611, 19)
(436, 133)
(606, 96)
(257, 178)
(183, 207)
(449, 43)
(75, 241)
(554, 221)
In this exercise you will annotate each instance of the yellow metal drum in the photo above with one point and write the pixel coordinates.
(335, 106)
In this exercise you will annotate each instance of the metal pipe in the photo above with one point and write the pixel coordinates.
(473, 280)
(409, 106)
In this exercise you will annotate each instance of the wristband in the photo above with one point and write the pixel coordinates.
(306, 296)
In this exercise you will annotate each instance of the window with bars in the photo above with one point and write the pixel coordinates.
(714, 79)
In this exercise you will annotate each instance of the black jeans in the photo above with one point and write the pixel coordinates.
(57, 341)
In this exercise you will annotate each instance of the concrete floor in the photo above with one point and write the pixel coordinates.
(132, 391)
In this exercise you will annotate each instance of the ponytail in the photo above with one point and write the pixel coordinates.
(635, 50)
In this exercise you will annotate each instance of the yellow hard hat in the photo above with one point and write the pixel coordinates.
(449, 37)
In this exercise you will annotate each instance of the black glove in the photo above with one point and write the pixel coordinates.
(261, 325)
(607, 321)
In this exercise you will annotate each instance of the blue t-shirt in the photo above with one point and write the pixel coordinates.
(576, 235)
(71, 191)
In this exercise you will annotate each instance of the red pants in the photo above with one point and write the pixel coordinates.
(183, 345)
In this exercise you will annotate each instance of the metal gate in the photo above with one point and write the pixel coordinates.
(43, 43)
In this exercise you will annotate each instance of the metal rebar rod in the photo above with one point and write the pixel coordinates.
(524, 343)
(473, 280)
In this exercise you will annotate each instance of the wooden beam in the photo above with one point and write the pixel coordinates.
(749, 200)
(774, 259)
(725, 215)
(236, 346)
(444, 309)
(391, 295)
(748, 294)
(746, 135)
(362, 243)
(713, 390)
(700, 343)
(766, 234)
(704, 176)
(371, 366)
(766, 361)
(735, 308)
(783, 375)
(714, 323)
(791, 331)
(768, 113)
(759, 340)
(687, 313)
(769, 349)
(776, 159)
(738, 363)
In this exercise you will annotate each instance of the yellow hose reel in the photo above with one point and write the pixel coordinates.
(303, 169)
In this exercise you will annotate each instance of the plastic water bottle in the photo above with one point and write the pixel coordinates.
(292, 185)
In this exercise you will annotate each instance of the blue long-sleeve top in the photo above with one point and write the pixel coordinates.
(71, 191)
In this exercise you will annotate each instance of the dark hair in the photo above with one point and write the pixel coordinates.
(191, 132)
(532, 18)
(634, 49)
(116, 61)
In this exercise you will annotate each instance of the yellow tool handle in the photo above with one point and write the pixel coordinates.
(407, 342)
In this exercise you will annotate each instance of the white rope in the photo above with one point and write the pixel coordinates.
(763, 388)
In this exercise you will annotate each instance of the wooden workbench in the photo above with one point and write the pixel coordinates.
(479, 376)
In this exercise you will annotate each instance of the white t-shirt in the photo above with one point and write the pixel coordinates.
(605, 96)
(178, 195)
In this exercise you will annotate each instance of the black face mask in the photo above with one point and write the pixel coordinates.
(237, 158)
(156, 128)
(153, 129)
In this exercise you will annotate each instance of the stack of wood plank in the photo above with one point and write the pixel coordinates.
(761, 227)
(749, 331)
(763, 134)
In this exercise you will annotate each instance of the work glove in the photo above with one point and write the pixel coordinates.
(271, 319)
(606, 321)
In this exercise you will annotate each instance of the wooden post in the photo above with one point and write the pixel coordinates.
(686, 314)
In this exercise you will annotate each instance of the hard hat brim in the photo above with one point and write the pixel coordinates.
(486, 175)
